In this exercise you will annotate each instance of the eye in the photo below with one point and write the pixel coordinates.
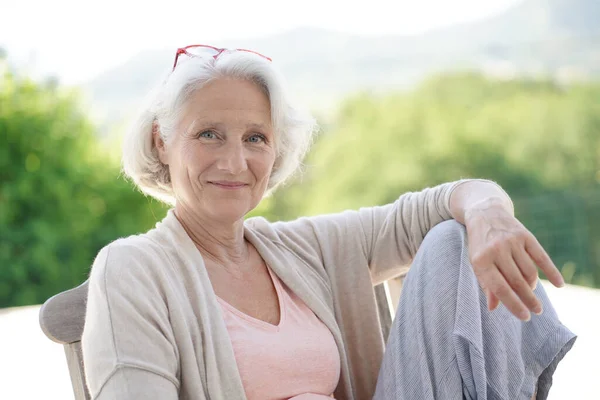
(257, 138)
(207, 135)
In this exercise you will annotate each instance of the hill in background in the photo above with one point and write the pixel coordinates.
(558, 38)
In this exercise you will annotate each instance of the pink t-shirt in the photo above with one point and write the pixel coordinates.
(297, 359)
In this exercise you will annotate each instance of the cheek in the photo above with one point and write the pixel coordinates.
(267, 166)
(261, 167)
(193, 159)
(186, 154)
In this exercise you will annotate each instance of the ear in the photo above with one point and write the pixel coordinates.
(159, 143)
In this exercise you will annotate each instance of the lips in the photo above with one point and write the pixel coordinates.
(229, 184)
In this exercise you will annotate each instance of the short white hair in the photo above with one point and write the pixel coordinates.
(293, 128)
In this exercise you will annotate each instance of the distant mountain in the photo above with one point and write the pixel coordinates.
(559, 38)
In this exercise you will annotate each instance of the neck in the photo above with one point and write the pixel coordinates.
(222, 243)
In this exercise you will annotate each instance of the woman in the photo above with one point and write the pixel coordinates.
(211, 306)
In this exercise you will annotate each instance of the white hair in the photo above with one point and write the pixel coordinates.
(293, 128)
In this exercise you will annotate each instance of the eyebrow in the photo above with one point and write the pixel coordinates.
(259, 127)
(199, 122)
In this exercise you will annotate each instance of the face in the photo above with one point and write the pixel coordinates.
(222, 154)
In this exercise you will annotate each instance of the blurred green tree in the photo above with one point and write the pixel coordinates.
(538, 139)
(530, 136)
(61, 199)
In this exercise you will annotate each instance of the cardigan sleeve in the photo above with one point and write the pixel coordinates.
(384, 238)
(127, 343)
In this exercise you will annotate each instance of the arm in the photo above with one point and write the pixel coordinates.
(384, 238)
(127, 343)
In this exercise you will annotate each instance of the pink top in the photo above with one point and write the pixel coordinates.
(297, 359)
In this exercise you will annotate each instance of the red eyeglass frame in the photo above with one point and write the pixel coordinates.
(184, 50)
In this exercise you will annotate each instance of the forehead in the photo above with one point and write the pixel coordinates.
(231, 97)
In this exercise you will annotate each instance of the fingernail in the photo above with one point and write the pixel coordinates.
(538, 310)
(534, 285)
(562, 282)
(525, 316)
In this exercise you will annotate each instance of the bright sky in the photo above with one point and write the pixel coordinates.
(58, 36)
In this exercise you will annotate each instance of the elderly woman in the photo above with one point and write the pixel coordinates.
(210, 305)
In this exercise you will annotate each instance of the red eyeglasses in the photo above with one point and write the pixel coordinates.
(203, 50)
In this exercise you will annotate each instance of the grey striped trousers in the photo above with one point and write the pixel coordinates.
(445, 344)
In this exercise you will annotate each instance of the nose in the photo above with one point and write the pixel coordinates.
(233, 158)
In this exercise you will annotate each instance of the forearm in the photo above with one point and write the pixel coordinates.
(478, 193)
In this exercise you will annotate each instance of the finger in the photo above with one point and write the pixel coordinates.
(527, 266)
(498, 285)
(530, 274)
(492, 300)
(514, 277)
(542, 259)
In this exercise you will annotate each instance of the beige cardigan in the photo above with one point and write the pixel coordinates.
(154, 329)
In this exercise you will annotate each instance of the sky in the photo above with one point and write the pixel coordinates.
(78, 39)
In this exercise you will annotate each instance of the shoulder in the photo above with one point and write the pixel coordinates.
(132, 248)
(262, 226)
(302, 235)
(133, 258)
(279, 232)
(310, 228)
(294, 235)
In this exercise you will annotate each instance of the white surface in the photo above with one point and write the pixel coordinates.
(33, 367)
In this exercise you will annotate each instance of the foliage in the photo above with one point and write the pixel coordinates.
(60, 201)
(62, 198)
(527, 135)
(539, 140)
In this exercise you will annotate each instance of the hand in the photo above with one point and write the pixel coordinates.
(504, 255)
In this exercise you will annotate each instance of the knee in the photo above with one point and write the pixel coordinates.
(447, 232)
(444, 244)
(434, 276)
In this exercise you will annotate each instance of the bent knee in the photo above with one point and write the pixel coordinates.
(450, 230)
(445, 243)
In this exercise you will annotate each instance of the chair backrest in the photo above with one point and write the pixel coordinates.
(384, 308)
(62, 318)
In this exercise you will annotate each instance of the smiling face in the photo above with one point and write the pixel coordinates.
(222, 153)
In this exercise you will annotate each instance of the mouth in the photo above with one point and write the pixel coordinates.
(229, 185)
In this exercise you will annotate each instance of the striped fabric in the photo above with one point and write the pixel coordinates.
(445, 344)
